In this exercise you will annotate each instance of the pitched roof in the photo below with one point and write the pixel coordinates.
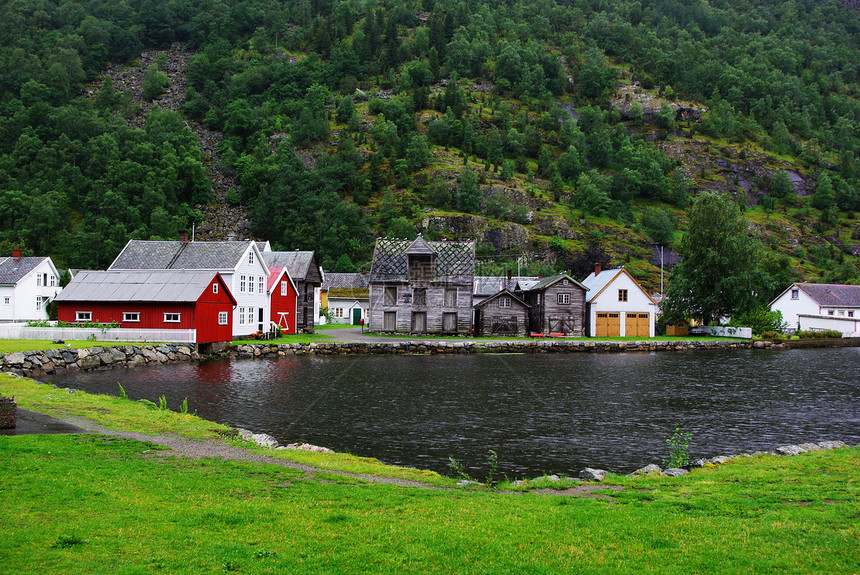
(453, 261)
(335, 280)
(138, 286)
(297, 263)
(176, 255)
(499, 294)
(12, 270)
(546, 282)
(832, 295)
(488, 285)
(596, 284)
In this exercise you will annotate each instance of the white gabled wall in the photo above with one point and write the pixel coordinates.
(791, 308)
(607, 301)
(245, 299)
(22, 297)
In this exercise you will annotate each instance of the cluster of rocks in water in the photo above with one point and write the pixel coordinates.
(35, 363)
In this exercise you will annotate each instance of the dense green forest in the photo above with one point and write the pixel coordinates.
(571, 131)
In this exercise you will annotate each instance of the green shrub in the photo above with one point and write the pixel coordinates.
(826, 333)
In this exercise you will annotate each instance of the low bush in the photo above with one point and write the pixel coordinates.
(809, 334)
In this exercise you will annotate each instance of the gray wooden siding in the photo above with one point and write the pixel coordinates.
(493, 320)
(434, 307)
(548, 316)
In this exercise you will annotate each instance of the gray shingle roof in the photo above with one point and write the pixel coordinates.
(489, 285)
(297, 263)
(500, 294)
(546, 282)
(137, 286)
(833, 295)
(12, 270)
(454, 262)
(163, 255)
(334, 280)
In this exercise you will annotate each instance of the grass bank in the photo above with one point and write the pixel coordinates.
(13, 345)
(100, 504)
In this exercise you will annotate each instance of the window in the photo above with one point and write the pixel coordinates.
(795, 294)
(251, 257)
(215, 288)
(241, 316)
(131, 316)
(83, 316)
(830, 312)
(53, 280)
(38, 303)
(850, 314)
(242, 284)
(389, 296)
(338, 312)
(451, 297)
(841, 312)
(622, 295)
(38, 280)
(564, 299)
(504, 302)
(7, 300)
(222, 318)
(250, 284)
(171, 318)
(419, 296)
(261, 284)
(285, 287)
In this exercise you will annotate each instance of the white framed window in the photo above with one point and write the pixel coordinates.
(285, 288)
(504, 302)
(131, 316)
(38, 303)
(38, 280)
(215, 287)
(830, 312)
(241, 316)
(83, 316)
(841, 312)
(53, 279)
(251, 257)
(563, 299)
(242, 280)
(338, 312)
(261, 284)
(172, 317)
(222, 318)
(250, 284)
(7, 300)
(795, 294)
(850, 313)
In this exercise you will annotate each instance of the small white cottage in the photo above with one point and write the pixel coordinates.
(809, 306)
(27, 284)
(617, 306)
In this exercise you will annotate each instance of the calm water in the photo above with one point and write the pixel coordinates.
(540, 413)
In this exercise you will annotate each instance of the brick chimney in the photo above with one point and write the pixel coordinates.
(597, 268)
(16, 253)
(509, 275)
(183, 236)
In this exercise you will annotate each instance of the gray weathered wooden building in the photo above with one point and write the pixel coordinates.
(421, 286)
(557, 306)
(503, 314)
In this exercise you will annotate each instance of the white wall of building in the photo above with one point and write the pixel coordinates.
(607, 301)
(27, 299)
(791, 308)
(847, 326)
(250, 299)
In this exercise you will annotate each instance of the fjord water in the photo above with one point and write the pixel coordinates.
(541, 413)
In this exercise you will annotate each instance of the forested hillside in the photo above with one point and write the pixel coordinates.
(555, 133)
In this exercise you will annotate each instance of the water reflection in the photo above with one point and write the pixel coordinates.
(541, 413)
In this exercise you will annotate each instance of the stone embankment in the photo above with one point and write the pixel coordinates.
(34, 363)
(257, 350)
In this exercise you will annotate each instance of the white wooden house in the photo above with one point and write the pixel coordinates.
(27, 284)
(809, 306)
(617, 306)
(240, 264)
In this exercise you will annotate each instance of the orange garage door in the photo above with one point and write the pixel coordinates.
(637, 325)
(608, 324)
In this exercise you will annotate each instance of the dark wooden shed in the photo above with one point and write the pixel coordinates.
(502, 314)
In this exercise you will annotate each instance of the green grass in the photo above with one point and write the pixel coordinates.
(13, 345)
(334, 326)
(294, 338)
(128, 510)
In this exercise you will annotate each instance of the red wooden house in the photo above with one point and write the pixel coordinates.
(152, 299)
(283, 299)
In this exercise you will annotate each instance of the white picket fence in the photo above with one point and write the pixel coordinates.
(21, 331)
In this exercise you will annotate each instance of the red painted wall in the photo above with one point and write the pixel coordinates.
(201, 315)
(284, 303)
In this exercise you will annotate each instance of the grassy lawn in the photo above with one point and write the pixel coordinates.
(99, 504)
(335, 326)
(13, 345)
(295, 338)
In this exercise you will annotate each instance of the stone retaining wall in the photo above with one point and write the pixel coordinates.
(456, 347)
(34, 363)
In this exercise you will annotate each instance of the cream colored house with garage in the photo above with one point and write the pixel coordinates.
(617, 306)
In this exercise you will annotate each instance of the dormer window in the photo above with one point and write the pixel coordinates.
(420, 267)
